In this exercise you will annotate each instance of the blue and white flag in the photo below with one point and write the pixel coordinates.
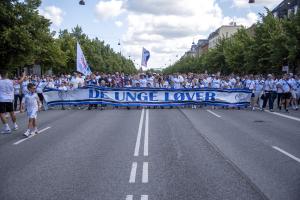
(81, 63)
(145, 57)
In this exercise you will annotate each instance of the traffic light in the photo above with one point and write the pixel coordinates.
(81, 2)
(251, 1)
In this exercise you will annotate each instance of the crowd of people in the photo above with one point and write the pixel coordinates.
(283, 91)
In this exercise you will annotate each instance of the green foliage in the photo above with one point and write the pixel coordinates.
(22, 30)
(275, 42)
(25, 39)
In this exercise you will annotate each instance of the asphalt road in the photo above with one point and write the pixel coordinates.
(155, 154)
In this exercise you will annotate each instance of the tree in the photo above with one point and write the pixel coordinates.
(292, 30)
(22, 32)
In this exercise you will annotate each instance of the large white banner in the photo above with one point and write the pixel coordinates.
(148, 96)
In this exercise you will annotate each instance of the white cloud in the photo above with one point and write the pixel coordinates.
(266, 3)
(53, 13)
(118, 23)
(109, 9)
(167, 27)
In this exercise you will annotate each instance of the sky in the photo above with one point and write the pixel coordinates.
(166, 28)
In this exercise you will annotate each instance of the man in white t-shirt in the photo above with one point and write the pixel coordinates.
(143, 81)
(177, 82)
(6, 102)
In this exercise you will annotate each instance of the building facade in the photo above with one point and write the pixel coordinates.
(225, 31)
(286, 8)
(192, 52)
(201, 47)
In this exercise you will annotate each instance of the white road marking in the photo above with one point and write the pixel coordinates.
(22, 140)
(129, 197)
(211, 112)
(133, 173)
(144, 197)
(287, 154)
(146, 139)
(286, 116)
(138, 139)
(145, 173)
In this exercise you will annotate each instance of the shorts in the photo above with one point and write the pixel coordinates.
(32, 114)
(6, 107)
(286, 95)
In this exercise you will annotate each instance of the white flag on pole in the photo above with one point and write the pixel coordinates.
(81, 64)
(145, 57)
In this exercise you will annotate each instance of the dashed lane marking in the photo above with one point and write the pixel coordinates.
(143, 197)
(145, 173)
(133, 172)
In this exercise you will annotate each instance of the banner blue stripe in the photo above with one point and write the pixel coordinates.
(158, 89)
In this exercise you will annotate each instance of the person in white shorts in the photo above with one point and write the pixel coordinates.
(32, 104)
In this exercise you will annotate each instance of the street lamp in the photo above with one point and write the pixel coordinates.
(251, 1)
(81, 2)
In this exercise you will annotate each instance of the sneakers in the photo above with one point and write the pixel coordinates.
(15, 127)
(27, 133)
(6, 130)
(35, 131)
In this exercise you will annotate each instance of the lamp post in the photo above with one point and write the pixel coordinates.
(119, 44)
(82, 2)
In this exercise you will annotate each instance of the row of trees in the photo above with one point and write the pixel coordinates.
(272, 44)
(26, 39)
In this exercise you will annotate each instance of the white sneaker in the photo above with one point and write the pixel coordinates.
(6, 130)
(27, 133)
(15, 127)
(36, 131)
(32, 133)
